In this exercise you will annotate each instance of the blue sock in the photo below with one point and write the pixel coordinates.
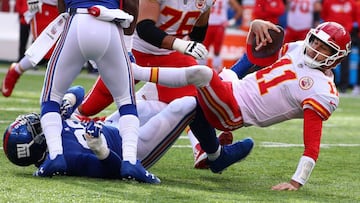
(204, 132)
(242, 66)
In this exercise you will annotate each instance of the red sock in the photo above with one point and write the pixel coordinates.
(96, 100)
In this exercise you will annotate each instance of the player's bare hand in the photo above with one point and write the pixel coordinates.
(260, 29)
(284, 186)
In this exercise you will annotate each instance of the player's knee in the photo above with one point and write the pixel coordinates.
(199, 75)
(182, 105)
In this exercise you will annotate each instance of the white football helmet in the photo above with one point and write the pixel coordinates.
(333, 35)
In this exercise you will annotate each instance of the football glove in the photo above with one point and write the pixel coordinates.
(111, 15)
(66, 109)
(34, 5)
(94, 128)
(94, 140)
(192, 48)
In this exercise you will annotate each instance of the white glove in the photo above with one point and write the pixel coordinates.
(28, 15)
(111, 15)
(192, 48)
(34, 5)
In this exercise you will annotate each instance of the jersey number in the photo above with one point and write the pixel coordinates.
(175, 16)
(264, 86)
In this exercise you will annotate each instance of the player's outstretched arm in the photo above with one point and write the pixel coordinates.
(312, 136)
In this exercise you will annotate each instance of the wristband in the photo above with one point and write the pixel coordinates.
(304, 169)
(180, 45)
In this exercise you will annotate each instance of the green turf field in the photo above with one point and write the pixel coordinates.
(273, 160)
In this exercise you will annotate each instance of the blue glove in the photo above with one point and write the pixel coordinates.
(94, 128)
(66, 109)
(50, 167)
(69, 105)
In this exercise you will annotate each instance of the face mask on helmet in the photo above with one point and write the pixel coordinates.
(24, 142)
(335, 37)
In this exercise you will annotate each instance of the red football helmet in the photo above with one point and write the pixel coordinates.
(335, 36)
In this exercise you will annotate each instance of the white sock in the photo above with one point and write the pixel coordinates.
(25, 64)
(172, 77)
(217, 63)
(214, 156)
(202, 61)
(192, 138)
(52, 126)
(129, 131)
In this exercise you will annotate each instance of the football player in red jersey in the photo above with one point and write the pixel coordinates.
(41, 13)
(300, 83)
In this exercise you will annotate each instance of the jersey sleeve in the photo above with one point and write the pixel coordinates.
(323, 105)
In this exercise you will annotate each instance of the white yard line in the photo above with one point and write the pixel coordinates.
(280, 144)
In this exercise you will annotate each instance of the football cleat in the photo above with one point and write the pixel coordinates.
(137, 172)
(9, 81)
(200, 158)
(231, 154)
(225, 138)
(50, 167)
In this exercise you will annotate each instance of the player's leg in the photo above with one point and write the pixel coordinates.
(61, 72)
(36, 51)
(42, 20)
(219, 157)
(201, 76)
(162, 130)
(219, 105)
(208, 41)
(217, 63)
(115, 70)
(197, 75)
(220, 108)
(96, 100)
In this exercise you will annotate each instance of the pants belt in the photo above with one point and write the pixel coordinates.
(73, 11)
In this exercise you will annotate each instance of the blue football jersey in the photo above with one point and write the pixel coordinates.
(81, 161)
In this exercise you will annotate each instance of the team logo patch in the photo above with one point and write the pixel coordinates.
(306, 83)
(200, 4)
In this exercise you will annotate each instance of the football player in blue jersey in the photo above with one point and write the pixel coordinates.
(92, 149)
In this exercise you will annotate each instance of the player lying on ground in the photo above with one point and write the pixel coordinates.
(300, 84)
(92, 149)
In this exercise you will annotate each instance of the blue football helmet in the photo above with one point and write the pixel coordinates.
(24, 142)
